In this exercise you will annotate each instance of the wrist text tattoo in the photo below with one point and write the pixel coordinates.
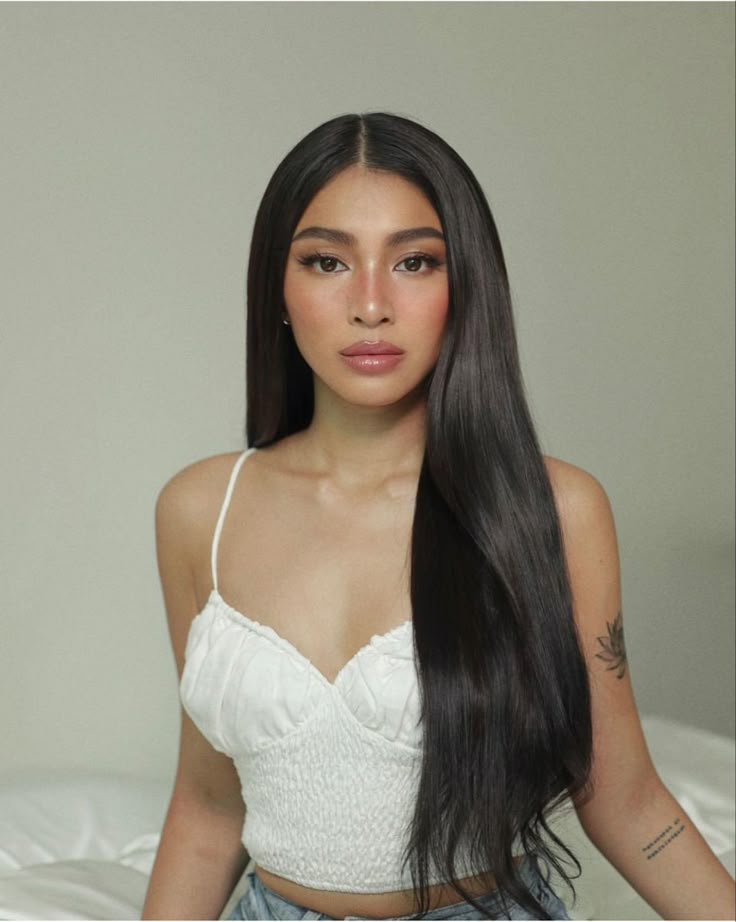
(672, 831)
(614, 650)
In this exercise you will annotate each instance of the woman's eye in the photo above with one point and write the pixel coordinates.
(415, 263)
(325, 264)
(328, 263)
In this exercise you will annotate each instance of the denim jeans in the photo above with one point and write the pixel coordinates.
(260, 902)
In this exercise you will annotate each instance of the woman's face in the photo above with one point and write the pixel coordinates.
(367, 264)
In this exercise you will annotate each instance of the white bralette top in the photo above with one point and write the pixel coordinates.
(329, 770)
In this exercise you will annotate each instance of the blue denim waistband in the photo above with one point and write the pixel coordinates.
(530, 870)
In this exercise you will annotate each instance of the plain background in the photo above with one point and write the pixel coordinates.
(137, 141)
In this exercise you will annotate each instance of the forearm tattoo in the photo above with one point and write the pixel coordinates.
(614, 650)
(672, 831)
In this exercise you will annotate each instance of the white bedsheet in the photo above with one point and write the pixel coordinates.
(77, 846)
(82, 846)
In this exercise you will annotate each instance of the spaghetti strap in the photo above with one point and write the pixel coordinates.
(223, 510)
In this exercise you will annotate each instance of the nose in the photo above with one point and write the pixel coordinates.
(369, 298)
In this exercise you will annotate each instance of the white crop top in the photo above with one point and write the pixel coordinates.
(329, 770)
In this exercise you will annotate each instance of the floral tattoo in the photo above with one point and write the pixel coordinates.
(614, 650)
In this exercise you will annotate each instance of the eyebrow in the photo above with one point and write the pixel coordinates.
(343, 237)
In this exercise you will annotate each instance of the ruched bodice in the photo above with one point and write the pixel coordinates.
(249, 687)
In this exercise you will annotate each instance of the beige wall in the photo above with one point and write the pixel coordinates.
(137, 140)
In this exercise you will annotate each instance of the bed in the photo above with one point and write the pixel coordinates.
(81, 846)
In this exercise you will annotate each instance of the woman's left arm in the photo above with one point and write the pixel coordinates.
(631, 817)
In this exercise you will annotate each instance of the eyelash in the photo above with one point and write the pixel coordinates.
(312, 258)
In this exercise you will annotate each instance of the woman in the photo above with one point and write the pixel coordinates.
(438, 660)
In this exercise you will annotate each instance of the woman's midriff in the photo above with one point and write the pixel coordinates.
(339, 904)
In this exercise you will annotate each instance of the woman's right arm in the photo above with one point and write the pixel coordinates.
(200, 857)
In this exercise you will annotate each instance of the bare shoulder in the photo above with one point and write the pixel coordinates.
(579, 496)
(188, 493)
(188, 504)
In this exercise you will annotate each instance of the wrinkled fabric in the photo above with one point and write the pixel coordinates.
(77, 889)
(247, 687)
(77, 844)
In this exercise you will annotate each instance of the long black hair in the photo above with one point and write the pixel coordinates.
(505, 696)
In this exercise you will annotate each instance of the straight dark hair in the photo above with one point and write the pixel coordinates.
(505, 696)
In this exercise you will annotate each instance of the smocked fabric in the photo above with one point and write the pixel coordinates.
(329, 770)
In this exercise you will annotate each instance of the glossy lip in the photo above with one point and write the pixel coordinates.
(365, 347)
(373, 364)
